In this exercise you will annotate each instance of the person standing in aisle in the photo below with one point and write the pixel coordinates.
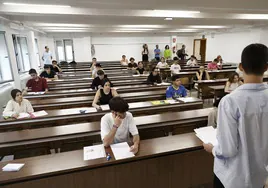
(157, 53)
(145, 53)
(47, 57)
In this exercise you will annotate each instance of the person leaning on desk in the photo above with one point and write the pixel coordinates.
(117, 125)
(154, 77)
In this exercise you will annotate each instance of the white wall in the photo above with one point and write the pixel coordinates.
(82, 49)
(231, 45)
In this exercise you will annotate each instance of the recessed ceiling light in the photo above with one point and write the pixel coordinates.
(207, 26)
(168, 18)
(43, 5)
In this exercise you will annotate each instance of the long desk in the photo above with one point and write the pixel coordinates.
(67, 116)
(86, 101)
(112, 68)
(204, 91)
(76, 136)
(90, 92)
(175, 161)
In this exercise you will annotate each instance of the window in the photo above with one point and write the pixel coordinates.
(22, 53)
(37, 53)
(5, 68)
(64, 50)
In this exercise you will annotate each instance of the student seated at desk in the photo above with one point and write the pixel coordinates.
(213, 65)
(93, 65)
(36, 83)
(192, 61)
(132, 64)
(175, 68)
(239, 72)
(55, 66)
(117, 125)
(97, 83)
(176, 90)
(17, 105)
(212, 116)
(104, 95)
(232, 83)
(124, 61)
(97, 68)
(162, 63)
(154, 77)
(140, 69)
(220, 62)
(202, 74)
(48, 73)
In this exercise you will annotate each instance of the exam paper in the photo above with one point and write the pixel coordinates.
(39, 114)
(94, 152)
(163, 84)
(36, 93)
(207, 135)
(105, 107)
(23, 115)
(12, 167)
(121, 151)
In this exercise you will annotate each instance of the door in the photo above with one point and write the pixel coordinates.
(200, 46)
(37, 52)
(68, 48)
(5, 68)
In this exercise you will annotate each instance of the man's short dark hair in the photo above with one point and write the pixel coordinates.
(54, 61)
(100, 72)
(47, 67)
(175, 58)
(175, 77)
(94, 58)
(118, 104)
(215, 60)
(254, 59)
(32, 71)
(98, 65)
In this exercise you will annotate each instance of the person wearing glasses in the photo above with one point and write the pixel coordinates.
(36, 83)
(117, 125)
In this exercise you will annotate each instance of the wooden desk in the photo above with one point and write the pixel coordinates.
(220, 74)
(86, 101)
(203, 91)
(112, 68)
(90, 92)
(218, 91)
(160, 162)
(67, 116)
(76, 136)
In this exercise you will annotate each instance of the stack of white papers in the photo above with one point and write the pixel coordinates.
(36, 93)
(172, 101)
(207, 135)
(94, 152)
(23, 115)
(105, 107)
(12, 167)
(121, 151)
(163, 84)
(39, 114)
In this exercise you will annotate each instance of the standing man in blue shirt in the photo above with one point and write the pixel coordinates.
(176, 90)
(241, 155)
(157, 53)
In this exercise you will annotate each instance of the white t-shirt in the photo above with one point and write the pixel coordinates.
(191, 63)
(122, 134)
(47, 58)
(14, 108)
(175, 69)
(266, 73)
(239, 72)
(162, 65)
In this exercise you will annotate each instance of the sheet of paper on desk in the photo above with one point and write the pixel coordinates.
(23, 115)
(172, 101)
(186, 99)
(105, 107)
(12, 167)
(36, 93)
(163, 84)
(39, 114)
(121, 151)
(207, 135)
(94, 152)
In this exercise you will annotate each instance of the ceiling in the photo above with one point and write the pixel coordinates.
(139, 16)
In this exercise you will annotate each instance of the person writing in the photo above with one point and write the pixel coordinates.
(154, 77)
(17, 105)
(97, 68)
(192, 61)
(56, 67)
(176, 90)
(167, 52)
(213, 65)
(157, 53)
(124, 61)
(140, 69)
(132, 64)
(117, 125)
(240, 157)
(97, 83)
(104, 94)
(49, 74)
(232, 83)
(162, 63)
(36, 83)
(93, 65)
(175, 68)
(202, 74)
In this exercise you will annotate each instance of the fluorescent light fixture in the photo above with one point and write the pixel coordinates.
(60, 25)
(168, 18)
(134, 29)
(68, 30)
(207, 26)
(62, 28)
(179, 11)
(43, 5)
(141, 26)
(173, 14)
(252, 16)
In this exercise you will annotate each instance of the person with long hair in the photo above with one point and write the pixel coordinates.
(154, 77)
(145, 53)
(104, 94)
(232, 83)
(167, 52)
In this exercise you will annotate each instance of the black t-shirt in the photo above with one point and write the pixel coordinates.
(154, 79)
(97, 81)
(140, 70)
(44, 74)
(134, 65)
(55, 69)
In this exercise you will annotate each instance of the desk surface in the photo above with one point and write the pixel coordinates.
(57, 164)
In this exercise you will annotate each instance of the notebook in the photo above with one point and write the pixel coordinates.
(12, 167)
(94, 152)
(39, 114)
(121, 151)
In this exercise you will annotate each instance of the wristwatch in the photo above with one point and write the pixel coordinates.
(115, 126)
